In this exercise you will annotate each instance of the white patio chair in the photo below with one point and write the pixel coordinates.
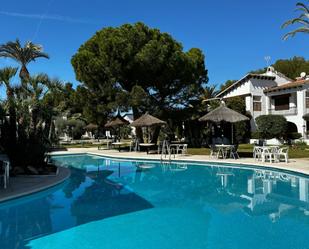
(267, 154)
(284, 152)
(214, 152)
(182, 149)
(233, 151)
(257, 153)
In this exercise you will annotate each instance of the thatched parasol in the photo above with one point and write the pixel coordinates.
(223, 113)
(147, 120)
(116, 122)
(91, 127)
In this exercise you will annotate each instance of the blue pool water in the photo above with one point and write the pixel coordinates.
(115, 204)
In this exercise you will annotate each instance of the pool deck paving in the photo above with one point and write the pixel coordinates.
(295, 165)
(24, 185)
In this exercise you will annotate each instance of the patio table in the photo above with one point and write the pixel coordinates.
(118, 144)
(223, 149)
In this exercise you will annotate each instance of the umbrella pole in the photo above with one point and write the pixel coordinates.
(232, 134)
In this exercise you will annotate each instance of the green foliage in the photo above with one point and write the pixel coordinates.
(271, 126)
(255, 135)
(237, 104)
(294, 135)
(241, 129)
(301, 145)
(293, 67)
(76, 128)
(26, 131)
(289, 67)
(302, 20)
(22, 54)
(73, 127)
(134, 66)
(227, 84)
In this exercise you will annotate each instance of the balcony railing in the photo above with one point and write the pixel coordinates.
(290, 111)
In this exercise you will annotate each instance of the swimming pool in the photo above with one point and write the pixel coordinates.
(118, 204)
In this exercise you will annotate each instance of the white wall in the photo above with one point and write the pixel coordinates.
(297, 99)
(242, 89)
(257, 87)
(280, 80)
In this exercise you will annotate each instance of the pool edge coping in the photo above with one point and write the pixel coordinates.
(191, 160)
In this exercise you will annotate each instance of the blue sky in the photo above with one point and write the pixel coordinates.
(234, 35)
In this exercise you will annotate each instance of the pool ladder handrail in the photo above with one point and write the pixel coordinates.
(165, 150)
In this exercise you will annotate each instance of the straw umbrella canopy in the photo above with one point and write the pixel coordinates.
(91, 127)
(117, 122)
(147, 120)
(223, 113)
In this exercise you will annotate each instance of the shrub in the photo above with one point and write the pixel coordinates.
(294, 135)
(271, 126)
(300, 145)
(255, 135)
(76, 128)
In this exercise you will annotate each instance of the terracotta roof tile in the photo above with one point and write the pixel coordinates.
(288, 85)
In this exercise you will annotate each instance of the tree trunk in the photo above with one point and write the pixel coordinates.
(34, 119)
(24, 74)
(12, 118)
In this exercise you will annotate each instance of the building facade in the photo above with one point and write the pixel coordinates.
(274, 93)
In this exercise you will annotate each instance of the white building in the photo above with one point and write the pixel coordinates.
(274, 93)
(129, 117)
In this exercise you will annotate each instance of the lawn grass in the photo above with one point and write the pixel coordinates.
(244, 150)
(82, 145)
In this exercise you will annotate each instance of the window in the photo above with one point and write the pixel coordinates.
(282, 102)
(257, 104)
(307, 99)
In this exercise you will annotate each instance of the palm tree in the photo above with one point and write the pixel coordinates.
(23, 55)
(6, 75)
(38, 86)
(210, 92)
(302, 19)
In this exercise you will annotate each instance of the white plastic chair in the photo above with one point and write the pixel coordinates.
(214, 152)
(284, 152)
(257, 153)
(182, 149)
(233, 152)
(267, 154)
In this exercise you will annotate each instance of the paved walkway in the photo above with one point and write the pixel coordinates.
(25, 185)
(296, 165)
